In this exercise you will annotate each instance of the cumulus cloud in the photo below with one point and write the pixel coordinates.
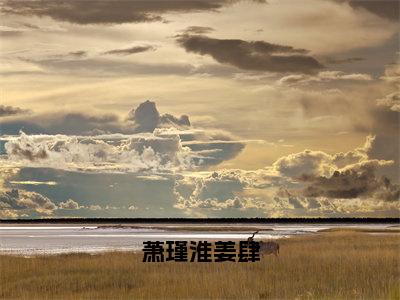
(392, 77)
(319, 163)
(213, 192)
(342, 175)
(161, 151)
(109, 11)
(147, 118)
(95, 207)
(149, 141)
(392, 101)
(227, 190)
(286, 204)
(305, 183)
(69, 204)
(19, 200)
(253, 55)
(109, 153)
(358, 181)
(132, 207)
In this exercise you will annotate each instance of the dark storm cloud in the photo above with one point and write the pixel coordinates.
(147, 118)
(131, 50)
(11, 111)
(352, 183)
(388, 9)
(254, 55)
(108, 11)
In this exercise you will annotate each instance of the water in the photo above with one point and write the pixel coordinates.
(50, 239)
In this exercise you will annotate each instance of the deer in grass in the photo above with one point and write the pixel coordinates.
(269, 247)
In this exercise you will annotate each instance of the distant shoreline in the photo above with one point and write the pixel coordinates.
(114, 221)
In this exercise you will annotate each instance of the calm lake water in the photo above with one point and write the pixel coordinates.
(54, 239)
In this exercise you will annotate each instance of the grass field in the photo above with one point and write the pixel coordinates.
(331, 265)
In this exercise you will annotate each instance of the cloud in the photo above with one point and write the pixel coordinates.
(392, 101)
(106, 67)
(132, 207)
(198, 30)
(319, 163)
(342, 175)
(69, 204)
(312, 162)
(323, 77)
(79, 53)
(33, 182)
(108, 11)
(66, 123)
(6, 31)
(160, 151)
(216, 191)
(254, 55)
(147, 118)
(392, 77)
(385, 125)
(388, 9)
(300, 184)
(131, 50)
(227, 190)
(11, 111)
(358, 181)
(133, 153)
(95, 207)
(145, 140)
(16, 200)
(335, 61)
(287, 204)
(308, 183)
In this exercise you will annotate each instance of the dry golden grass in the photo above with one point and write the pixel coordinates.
(339, 265)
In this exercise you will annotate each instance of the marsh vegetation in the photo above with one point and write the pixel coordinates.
(330, 265)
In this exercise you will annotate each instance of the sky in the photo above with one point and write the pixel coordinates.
(223, 108)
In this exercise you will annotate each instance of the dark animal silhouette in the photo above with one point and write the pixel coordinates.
(269, 248)
(251, 239)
